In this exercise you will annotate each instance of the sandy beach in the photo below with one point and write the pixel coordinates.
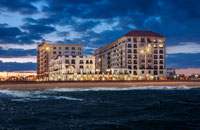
(52, 85)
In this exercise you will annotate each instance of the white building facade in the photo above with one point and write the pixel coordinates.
(140, 54)
(71, 66)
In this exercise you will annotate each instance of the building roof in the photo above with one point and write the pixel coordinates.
(143, 33)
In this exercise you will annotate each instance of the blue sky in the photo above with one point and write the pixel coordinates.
(94, 23)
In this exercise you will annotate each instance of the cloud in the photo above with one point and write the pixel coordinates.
(23, 59)
(18, 46)
(24, 7)
(184, 48)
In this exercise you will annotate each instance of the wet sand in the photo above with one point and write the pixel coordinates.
(43, 86)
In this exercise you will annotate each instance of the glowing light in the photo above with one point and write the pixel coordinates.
(161, 45)
(142, 51)
(148, 49)
(46, 48)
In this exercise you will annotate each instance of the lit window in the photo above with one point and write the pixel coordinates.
(160, 45)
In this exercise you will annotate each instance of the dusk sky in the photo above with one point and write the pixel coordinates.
(95, 23)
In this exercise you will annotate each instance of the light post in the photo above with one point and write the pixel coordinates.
(146, 51)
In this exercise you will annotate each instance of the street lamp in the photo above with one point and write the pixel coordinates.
(146, 51)
(47, 49)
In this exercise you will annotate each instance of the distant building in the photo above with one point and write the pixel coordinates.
(141, 54)
(66, 66)
(45, 51)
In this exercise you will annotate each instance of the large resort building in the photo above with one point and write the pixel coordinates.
(138, 55)
(141, 54)
(46, 51)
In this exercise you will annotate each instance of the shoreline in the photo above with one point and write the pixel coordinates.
(37, 86)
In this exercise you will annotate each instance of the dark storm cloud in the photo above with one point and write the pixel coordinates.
(15, 35)
(38, 28)
(178, 20)
(21, 6)
(17, 52)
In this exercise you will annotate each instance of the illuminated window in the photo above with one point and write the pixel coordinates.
(155, 46)
(129, 62)
(73, 48)
(161, 45)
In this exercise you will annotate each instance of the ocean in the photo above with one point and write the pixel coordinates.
(133, 108)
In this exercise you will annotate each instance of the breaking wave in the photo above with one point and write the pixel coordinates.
(134, 87)
(33, 95)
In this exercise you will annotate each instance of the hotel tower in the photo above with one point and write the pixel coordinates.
(140, 54)
(46, 51)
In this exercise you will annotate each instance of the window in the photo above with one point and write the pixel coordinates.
(155, 67)
(142, 40)
(161, 62)
(73, 61)
(161, 57)
(59, 48)
(59, 52)
(66, 48)
(81, 56)
(135, 39)
(73, 48)
(91, 62)
(135, 45)
(161, 72)
(155, 45)
(142, 72)
(149, 61)
(161, 45)
(155, 72)
(135, 67)
(54, 48)
(129, 56)
(155, 51)
(66, 56)
(149, 66)
(142, 67)
(149, 72)
(129, 67)
(135, 61)
(81, 61)
(129, 45)
(79, 48)
(73, 52)
(129, 39)
(67, 61)
(87, 62)
(135, 51)
(129, 51)
(73, 56)
(135, 56)
(54, 52)
(135, 72)
(155, 57)
(129, 62)
(161, 67)
(149, 40)
(81, 67)
(142, 61)
(155, 40)
(155, 62)
(161, 51)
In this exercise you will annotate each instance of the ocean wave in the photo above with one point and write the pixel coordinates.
(134, 87)
(33, 95)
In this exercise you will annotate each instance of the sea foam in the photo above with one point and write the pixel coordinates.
(134, 87)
